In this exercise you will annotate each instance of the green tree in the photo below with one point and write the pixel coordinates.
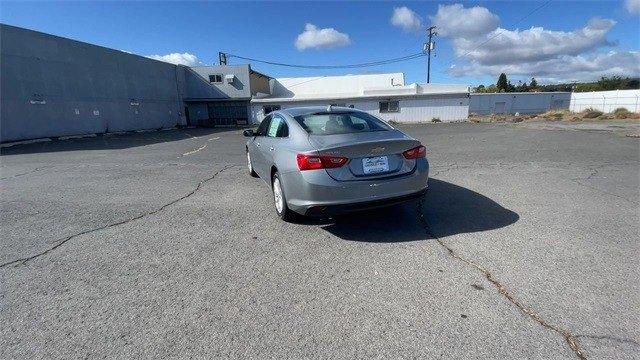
(522, 86)
(503, 83)
(491, 89)
(533, 84)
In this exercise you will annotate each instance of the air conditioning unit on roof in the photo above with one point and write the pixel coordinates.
(229, 78)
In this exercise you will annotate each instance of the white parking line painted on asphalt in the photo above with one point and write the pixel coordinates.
(194, 151)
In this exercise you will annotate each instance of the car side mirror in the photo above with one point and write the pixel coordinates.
(248, 133)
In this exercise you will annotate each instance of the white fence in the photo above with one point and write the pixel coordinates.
(606, 101)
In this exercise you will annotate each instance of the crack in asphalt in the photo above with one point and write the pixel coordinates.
(24, 260)
(594, 172)
(610, 338)
(571, 340)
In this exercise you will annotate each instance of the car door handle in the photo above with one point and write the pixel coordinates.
(271, 148)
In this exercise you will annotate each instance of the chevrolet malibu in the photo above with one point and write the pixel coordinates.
(322, 161)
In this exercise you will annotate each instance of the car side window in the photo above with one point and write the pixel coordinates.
(278, 127)
(262, 129)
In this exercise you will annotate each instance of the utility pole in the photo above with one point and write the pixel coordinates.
(222, 58)
(429, 46)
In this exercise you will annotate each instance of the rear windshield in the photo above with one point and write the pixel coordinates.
(340, 123)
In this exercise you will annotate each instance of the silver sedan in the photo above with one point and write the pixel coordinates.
(321, 161)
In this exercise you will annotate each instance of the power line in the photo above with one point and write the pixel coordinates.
(379, 62)
(349, 66)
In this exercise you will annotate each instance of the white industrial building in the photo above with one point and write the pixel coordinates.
(382, 95)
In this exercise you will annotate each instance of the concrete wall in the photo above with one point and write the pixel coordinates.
(606, 101)
(412, 109)
(52, 86)
(199, 87)
(523, 103)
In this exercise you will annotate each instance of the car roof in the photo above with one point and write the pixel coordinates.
(305, 110)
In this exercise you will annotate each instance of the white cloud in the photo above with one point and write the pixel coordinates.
(484, 48)
(534, 44)
(562, 69)
(456, 21)
(406, 18)
(632, 6)
(312, 37)
(177, 58)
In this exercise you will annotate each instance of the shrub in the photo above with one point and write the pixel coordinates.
(590, 113)
(554, 114)
(435, 120)
(622, 113)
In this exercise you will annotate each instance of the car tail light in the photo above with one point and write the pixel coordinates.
(415, 153)
(313, 162)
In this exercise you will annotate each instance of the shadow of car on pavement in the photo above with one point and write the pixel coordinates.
(449, 209)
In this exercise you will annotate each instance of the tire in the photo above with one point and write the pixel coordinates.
(249, 166)
(279, 201)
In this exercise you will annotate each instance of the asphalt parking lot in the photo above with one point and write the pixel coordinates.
(160, 245)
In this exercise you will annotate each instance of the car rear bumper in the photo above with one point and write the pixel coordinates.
(315, 193)
(326, 210)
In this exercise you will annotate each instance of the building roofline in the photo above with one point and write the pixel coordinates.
(333, 76)
(355, 97)
(251, 71)
(87, 43)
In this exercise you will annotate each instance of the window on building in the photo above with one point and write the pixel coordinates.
(215, 78)
(389, 106)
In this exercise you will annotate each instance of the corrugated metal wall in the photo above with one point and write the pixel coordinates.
(606, 101)
(412, 110)
(52, 86)
(523, 103)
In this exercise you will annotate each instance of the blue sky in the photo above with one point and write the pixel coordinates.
(571, 40)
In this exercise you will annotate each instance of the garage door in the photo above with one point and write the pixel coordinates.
(228, 113)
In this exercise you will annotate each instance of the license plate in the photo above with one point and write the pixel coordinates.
(374, 165)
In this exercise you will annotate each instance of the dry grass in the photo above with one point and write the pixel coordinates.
(555, 115)
(622, 113)
(591, 113)
(558, 115)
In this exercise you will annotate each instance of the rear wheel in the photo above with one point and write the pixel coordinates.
(280, 201)
(249, 166)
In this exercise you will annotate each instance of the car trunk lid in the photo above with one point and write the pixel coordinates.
(372, 155)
